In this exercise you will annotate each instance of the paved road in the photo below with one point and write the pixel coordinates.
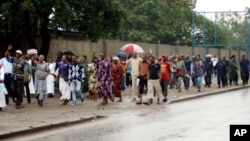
(204, 119)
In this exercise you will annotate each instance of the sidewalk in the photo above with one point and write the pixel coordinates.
(32, 117)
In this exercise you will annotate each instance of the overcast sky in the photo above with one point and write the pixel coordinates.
(221, 5)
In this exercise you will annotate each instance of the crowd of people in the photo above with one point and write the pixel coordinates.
(107, 76)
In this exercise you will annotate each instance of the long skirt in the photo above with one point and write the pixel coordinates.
(41, 89)
(64, 89)
(3, 92)
(117, 89)
(50, 84)
(105, 88)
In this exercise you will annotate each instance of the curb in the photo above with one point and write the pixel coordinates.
(207, 94)
(47, 126)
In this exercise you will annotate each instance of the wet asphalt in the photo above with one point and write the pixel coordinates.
(203, 119)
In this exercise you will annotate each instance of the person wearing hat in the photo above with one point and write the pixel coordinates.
(117, 74)
(17, 77)
(233, 76)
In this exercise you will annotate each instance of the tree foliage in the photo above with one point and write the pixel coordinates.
(26, 18)
(156, 21)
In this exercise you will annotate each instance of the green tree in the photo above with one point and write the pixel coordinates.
(156, 20)
(26, 18)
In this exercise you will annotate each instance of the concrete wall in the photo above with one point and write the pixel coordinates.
(80, 48)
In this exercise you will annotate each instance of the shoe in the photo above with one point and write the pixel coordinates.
(1, 109)
(165, 100)
(50, 95)
(82, 100)
(73, 104)
(19, 106)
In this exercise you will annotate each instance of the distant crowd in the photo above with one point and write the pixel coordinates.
(107, 76)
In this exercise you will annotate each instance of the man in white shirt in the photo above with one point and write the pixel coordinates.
(134, 62)
(6, 63)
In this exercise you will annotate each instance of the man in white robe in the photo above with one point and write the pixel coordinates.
(51, 78)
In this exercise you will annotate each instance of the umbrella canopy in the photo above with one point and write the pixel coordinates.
(132, 48)
(120, 54)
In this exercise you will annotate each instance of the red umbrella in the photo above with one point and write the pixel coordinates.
(132, 48)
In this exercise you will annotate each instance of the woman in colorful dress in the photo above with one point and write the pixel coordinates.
(103, 74)
(40, 82)
(180, 72)
(117, 77)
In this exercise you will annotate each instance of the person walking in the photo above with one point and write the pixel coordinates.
(198, 72)
(143, 77)
(6, 64)
(76, 76)
(226, 63)
(103, 74)
(50, 79)
(186, 79)
(3, 90)
(27, 77)
(63, 75)
(41, 74)
(208, 64)
(134, 61)
(17, 76)
(154, 81)
(117, 73)
(221, 75)
(180, 72)
(164, 77)
(244, 70)
(233, 67)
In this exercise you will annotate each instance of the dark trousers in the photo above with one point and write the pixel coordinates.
(208, 78)
(186, 81)
(244, 76)
(221, 79)
(18, 91)
(194, 81)
(142, 85)
(128, 79)
(8, 83)
(26, 85)
(234, 78)
(164, 87)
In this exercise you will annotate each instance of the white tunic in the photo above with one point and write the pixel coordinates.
(3, 90)
(31, 84)
(51, 79)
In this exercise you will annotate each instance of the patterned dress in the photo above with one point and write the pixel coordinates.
(40, 83)
(103, 74)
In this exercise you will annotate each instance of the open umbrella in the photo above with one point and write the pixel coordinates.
(120, 54)
(132, 48)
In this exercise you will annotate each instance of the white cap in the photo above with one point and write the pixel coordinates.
(116, 58)
(19, 52)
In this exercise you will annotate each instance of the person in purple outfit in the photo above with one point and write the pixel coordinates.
(103, 74)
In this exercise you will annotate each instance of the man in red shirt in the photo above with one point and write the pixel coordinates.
(164, 76)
